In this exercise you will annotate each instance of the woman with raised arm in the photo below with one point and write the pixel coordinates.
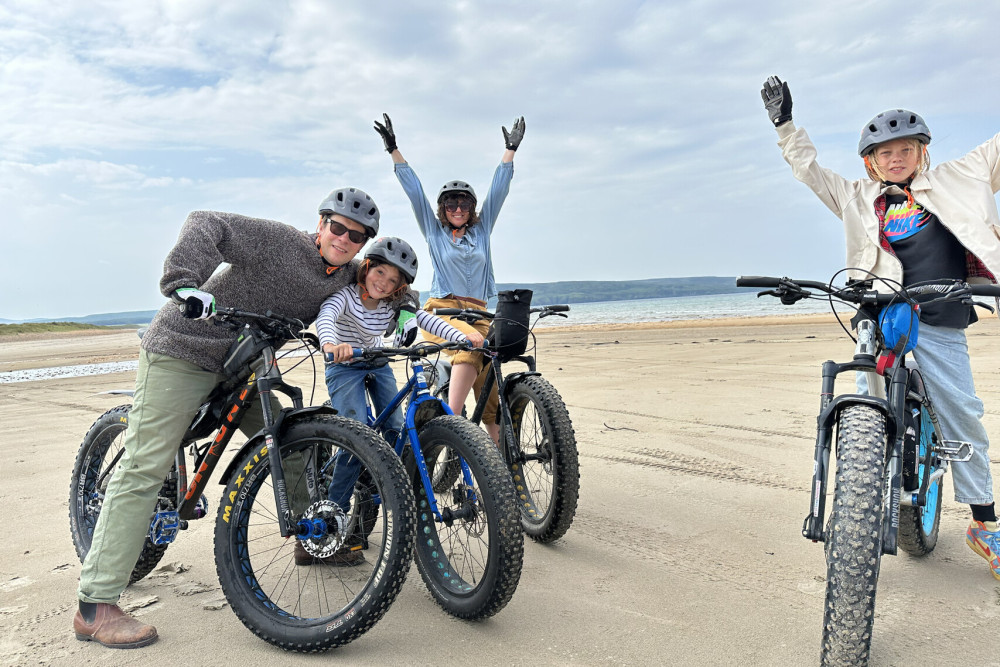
(458, 238)
(907, 223)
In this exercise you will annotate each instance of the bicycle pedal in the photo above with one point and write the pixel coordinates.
(163, 529)
(948, 451)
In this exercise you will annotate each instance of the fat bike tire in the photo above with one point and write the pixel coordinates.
(853, 537)
(548, 482)
(317, 605)
(471, 562)
(92, 472)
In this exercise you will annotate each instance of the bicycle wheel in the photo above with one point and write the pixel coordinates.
(854, 537)
(470, 561)
(92, 470)
(313, 606)
(918, 526)
(548, 481)
(446, 468)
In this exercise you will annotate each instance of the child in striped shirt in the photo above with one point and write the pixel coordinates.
(357, 316)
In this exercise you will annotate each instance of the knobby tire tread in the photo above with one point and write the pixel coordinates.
(95, 444)
(280, 627)
(506, 540)
(565, 470)
(853, 537)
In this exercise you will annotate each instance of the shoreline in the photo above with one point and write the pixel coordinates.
(84, 347)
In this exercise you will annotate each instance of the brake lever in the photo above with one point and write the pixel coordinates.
(982, 305)
(787, 296)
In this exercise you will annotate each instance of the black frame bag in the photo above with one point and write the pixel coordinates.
(509, 329)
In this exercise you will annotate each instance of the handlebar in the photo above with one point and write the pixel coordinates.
(790, 290)
(416, 351)
(473, 314)
(270, 323)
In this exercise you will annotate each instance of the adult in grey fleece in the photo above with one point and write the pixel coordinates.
(272, 266)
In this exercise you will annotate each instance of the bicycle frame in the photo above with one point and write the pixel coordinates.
(511, 448)
(416, 387)
(224, 418)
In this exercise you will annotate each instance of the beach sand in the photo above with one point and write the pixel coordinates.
(696, 443)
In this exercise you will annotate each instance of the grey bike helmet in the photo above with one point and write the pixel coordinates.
(456, 186)
(397, 252)
(354, 204)
(893, 124)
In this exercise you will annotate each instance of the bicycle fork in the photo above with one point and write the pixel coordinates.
(864, 361)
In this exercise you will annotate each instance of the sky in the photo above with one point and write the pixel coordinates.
(647, 150)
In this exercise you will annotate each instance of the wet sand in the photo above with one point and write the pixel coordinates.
(695, 447)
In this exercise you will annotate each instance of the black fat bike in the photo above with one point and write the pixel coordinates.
(891, 457)
(536, 435)
(275, 500)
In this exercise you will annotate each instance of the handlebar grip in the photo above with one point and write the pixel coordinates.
(447, 311)
(984, 290)
(561, 308)
(757, 281)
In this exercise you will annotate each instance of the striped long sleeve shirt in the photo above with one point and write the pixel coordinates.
(344, 319)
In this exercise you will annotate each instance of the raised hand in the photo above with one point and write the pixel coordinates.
(777, 100)
(513, 138)
(385, 131)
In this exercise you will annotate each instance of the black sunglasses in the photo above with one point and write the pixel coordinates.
(337, 229)
(452, 205)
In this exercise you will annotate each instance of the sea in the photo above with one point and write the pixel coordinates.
(707, 307)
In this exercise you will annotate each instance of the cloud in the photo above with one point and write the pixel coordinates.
(647, 150)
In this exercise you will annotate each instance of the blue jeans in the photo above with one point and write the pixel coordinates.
(346, 384)
(942, 356)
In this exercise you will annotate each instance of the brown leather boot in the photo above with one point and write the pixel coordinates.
(113, 628)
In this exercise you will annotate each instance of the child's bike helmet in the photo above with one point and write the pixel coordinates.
(397, 252)
(893, 124)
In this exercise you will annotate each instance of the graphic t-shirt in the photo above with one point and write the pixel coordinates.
(928, 251)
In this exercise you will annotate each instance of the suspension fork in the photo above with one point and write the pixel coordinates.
(864, 361)
(269, 378)
(812, 528)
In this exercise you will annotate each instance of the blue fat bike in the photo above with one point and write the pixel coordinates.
(890, 451)
(469, 546)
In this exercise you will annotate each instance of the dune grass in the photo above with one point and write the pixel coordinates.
(53, 327)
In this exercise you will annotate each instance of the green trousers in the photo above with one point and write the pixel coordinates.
(168, 393)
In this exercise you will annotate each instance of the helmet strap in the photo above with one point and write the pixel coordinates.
(330, 268)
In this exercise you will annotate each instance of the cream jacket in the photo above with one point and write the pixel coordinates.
(960, 192)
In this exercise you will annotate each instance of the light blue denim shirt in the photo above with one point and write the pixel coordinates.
(463, 267)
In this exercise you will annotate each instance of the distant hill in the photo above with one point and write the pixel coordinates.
(583, 291)
(103, 319)
(568, 291)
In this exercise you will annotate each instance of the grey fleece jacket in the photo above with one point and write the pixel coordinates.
(272, 266)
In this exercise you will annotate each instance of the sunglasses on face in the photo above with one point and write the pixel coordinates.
(453, 205)
(337, 229)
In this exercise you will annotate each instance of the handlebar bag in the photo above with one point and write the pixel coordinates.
(900, 325)
(509, 329)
